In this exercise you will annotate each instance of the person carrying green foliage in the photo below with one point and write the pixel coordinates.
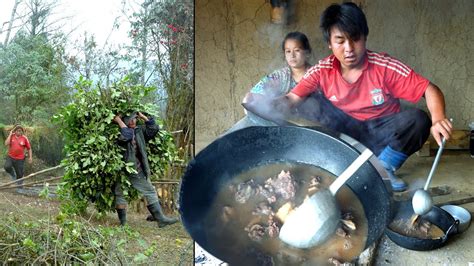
(134, 138)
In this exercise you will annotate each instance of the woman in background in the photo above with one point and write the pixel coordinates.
(297, 51)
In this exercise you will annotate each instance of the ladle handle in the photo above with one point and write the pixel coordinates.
(355, 165)
(435, 163)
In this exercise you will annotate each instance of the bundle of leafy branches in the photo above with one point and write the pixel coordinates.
(94, 161)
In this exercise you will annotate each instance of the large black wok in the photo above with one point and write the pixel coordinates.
(247, 148)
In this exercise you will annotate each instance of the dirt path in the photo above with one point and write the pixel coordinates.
(173, 245)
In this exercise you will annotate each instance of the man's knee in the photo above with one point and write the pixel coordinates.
(151, 196)
(120, 206)
(421, 119)
(120, 201)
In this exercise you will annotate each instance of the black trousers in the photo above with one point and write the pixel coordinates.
(405, 132)
(14, 168)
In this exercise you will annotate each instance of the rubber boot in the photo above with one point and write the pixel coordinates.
(150, 218)
(157, 213)
(398, 185)
(122, 215)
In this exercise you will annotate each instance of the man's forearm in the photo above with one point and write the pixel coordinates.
(119, 121)
(440, 125)
(435, 103)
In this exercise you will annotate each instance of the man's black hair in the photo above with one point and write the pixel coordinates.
(298, 36)
(348, 17)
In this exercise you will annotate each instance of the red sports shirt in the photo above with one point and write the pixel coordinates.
(17, 147)
(376, 93)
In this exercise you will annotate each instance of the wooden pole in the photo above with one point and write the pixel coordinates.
(31, 175)
(31, 183)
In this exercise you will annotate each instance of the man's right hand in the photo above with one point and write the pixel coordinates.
(117, 118)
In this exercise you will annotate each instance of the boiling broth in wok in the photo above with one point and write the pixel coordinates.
(421, 229)
(245, 218)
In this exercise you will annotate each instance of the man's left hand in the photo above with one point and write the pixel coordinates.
(30, 160)
(142, 116)
(441, 128)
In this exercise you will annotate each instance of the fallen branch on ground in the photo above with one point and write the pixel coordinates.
(31, 183)
(31, 175)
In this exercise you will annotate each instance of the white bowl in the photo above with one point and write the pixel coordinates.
(461, 214)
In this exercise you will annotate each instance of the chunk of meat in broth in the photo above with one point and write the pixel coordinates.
(255, 232)
(273, 228)
(283, 185)
(337, 262)
(227, 214)
(263, 209)
(347, 225)
(244, 191)
(341, 232)
(267, 193)
(314, 184)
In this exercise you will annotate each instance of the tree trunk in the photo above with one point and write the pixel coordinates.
(143, 48)
(10, 24)
(87, 57)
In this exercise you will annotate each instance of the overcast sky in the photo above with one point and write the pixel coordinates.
(94, 16)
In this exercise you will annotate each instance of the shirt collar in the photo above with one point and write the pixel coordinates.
(337, 65)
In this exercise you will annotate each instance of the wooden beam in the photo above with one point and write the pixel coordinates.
(31, 175)
(31, 183)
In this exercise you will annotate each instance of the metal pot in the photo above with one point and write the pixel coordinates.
(436, 216)
(244, 149)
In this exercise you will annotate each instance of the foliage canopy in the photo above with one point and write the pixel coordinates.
(94, 162)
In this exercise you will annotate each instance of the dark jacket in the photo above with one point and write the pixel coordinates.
(143, 133)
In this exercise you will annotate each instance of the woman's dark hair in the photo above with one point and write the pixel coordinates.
(298, 36)
(348, 17)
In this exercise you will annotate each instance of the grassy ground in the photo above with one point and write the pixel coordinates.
(173, 246)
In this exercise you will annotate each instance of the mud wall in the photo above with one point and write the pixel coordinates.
(236, 45)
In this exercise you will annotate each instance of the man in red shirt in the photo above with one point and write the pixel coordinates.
(360, 91)
(15, 161)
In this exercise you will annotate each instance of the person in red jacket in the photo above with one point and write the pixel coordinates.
(17, 143)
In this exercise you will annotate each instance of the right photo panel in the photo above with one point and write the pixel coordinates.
(330, 133)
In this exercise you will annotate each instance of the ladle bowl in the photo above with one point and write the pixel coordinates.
(422, 202)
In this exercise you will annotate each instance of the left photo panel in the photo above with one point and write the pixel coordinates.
(97, 130)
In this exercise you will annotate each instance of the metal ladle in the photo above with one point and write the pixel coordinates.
(316, 220)
(422, 201)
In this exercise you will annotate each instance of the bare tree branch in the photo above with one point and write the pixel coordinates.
(10, 25)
